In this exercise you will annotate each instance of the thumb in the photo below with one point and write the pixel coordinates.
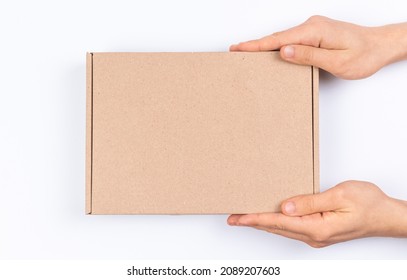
(308, 55)
(310, 204)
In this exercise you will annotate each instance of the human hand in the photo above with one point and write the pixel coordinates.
(346, 50)
(350, 210)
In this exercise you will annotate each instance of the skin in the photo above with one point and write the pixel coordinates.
(352, 209)
(346, 50)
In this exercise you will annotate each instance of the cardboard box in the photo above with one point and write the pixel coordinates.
(199, 133)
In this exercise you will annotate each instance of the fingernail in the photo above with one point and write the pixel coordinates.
(288, 51)
(289, 207)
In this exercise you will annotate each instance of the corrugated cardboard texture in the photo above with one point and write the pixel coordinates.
(199, 133)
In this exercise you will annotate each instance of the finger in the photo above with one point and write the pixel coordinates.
(288, 234)
(267, 43)
(276, 221)
(232, 219)
(253, 46)
(310, 204)
(306, 55)
(234, 47)
(302, 34)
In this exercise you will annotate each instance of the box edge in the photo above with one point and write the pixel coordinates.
(315, 125)
(89, 127)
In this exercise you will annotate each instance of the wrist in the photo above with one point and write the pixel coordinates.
(396, 222)
(393, 41)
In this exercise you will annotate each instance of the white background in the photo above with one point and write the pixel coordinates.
(42, 126)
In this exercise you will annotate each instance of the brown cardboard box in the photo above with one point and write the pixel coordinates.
(199, 133)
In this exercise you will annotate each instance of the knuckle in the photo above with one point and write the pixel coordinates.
(350, 188)
(276, 37)
(346, 190)
(276, 34)
(272, 230)
(262, 45)
(279, 226)
(321, 237)
(340, 192)
(315, 18)
(256, 221)
(318, 23)
(349, 182)
(316, 245)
